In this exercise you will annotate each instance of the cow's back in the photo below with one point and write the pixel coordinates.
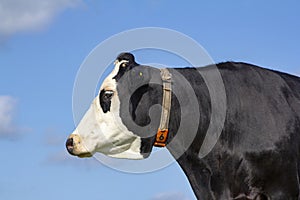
(258, 150)
(263, 107)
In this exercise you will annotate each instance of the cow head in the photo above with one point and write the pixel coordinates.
(119, 122)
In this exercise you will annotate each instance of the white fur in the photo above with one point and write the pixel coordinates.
(105, 132)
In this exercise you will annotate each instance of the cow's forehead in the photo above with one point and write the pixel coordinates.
(109, 82)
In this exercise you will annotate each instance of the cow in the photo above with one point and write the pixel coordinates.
(256, 155)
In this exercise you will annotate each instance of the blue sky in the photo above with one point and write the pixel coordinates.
(44, 42)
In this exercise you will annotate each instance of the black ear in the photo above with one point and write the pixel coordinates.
(126, 57)
(128, 63)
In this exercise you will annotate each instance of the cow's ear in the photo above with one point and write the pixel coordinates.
(126, 59)
(124, 66)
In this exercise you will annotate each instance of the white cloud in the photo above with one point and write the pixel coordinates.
(26, 15)
(7, 108)
(170, 195)
(8, 128)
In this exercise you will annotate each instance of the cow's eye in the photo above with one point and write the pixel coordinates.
(105, 99)
(108, 94)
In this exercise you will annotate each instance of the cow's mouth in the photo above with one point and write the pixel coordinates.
(85, 155)
(74, 148)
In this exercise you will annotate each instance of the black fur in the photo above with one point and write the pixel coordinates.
(257, 154)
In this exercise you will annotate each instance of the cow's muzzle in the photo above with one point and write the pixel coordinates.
(75, 147)
(70, 145)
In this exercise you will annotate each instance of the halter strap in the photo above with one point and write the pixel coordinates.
(163, 130)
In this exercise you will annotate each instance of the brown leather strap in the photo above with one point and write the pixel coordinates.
(163, 130)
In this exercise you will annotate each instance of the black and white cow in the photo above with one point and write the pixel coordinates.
(256, 155)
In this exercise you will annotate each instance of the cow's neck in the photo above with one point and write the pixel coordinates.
(185, 140)
(190, 112)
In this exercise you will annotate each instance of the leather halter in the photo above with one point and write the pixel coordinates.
(163, 130)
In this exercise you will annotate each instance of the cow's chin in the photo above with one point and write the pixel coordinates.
(85, 155)
(82, 155)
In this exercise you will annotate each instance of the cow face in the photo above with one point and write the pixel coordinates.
(116, 122)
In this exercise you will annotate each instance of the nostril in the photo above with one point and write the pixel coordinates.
(70, 145)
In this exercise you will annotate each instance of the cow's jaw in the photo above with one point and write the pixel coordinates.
(104, 132)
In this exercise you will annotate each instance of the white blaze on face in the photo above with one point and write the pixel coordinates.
(105, 132)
